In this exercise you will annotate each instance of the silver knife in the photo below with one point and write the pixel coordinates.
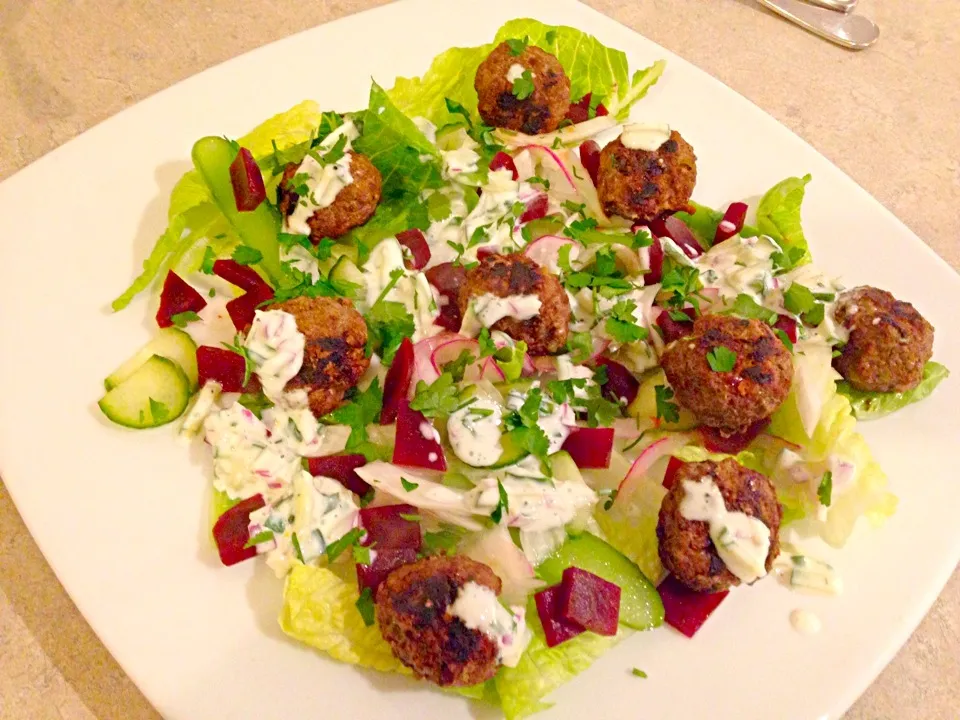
(854, 32)
(843, 6)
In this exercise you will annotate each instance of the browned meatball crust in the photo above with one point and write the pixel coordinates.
(686, 549)
(334, 356)
(540, 112)
(505, 275)
(353, 206)
(729, 401)
(643, 185)
(412, 611)
(889, 341)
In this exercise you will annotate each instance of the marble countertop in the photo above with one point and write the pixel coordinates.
(887, 116)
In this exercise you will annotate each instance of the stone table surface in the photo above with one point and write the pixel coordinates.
(887, 116)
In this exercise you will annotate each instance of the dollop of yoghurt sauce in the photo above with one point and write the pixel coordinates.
(303, 514)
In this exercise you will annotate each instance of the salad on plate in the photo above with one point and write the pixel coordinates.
(489, 391)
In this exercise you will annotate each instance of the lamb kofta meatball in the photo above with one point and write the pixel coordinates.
(686, 546)
(333, 357)
(500, 286)
(889, 341)
(413, 611)
(731, 400)
(643, 185)
(537, 107)
(353, 205)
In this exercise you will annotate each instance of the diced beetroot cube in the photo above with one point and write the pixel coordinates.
(221, 365)
(788, 325)
(590, 157)
(653, 276)
(418, 442)
(416, 243)
(341, 468)
(602, 110)
(590, 447)
(447, 278)
(590, 601)
(387, 529)
(385, 561)
(536, 209)
(502, 161)
(397, 383)
(555, 629)
(621, 385)
(715, 441)
(248, 190)
(177, 297)
(685, 609)
(486, 251)
(732, 222)
(677, 230)
(673, 467)
(231, 531)
(675, 329)
(242, 310)
(244, 277)
(579, 111)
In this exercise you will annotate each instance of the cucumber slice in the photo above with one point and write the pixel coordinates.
(640, 604)
(346, 270)
(169, 343)
(512, 452)
(155, 394)
(564, 468)
(644, 406)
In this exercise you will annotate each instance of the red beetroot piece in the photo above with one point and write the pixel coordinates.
(396, 386)
(384, 562)
(590, 157)
(502, 161)
(590, 447)
(555, 629)
(685, 609)
(486, 251)
(732, 222)
(341, 468)
(655, 273)
(248, 190)
(670, 476)
(221, 365)
(232, 531)
(579, 111)
(386, 529)
(242, 310)
(416, 243)
(621, 385)
(674, 329)
(677, 230)
(418, 443)
(447, 279)
(244, 277)
(714, 441)
(177, 297)
(536, 209)
(788, 325)
(590, 601)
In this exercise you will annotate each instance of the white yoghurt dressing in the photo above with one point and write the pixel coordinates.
(742, 541)
(474, 433)
(276, 348)
(412, 290)
(555, 420)
(515, 72)
(805, 622)
(809, 575)
(484, 311)
(645, 136)
(536, 505)
(477, 606)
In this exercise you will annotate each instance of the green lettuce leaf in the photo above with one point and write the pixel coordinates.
(778, 215)
(873, 405)
(542, 670)
(590, 65)
(407, 160)
(631, 527)
(193, 217)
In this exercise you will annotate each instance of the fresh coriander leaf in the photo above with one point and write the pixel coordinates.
(443, 541)
(182, 319)
(438, 399)
(722, 359)
(209, 258)
(239, 348)
(503, 505)
(563, 258)
(323, 250)
(361, 555)
(260, 537)
(746, 307)
(335, 153)
(362, 410)
(798, 299)
(388, 323)
(517, 46)
(621, 325)
(600, 411)
(523, 86)
(246, 255)
(580, 346)
(814, 316)
(158, 411)
(537, 180)
(825, 489)
(395, 276)
(296, 547)
(212, 292)
(477, 237)
(784, 262)
(638, 673)
(642, 238)
(458, 367)
(487, 347)
(574, 208)
(438, 207)
(666, 410)
(784, 338)
(336, 548)
(407, 485)
(578, 229)
(366, 606)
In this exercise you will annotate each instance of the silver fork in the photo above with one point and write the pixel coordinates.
(844, 6)
(853, 32)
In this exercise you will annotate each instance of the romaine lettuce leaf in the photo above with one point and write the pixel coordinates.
(542, 670)
(873, 405)
(591, 66)
(631, 527)
(778, 215)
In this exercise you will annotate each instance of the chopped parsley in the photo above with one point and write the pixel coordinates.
(784, 338)
(503, 504)
(523, 86)
(209, 258)
(800, 300)
(621, 323)
(683, 282)
(579, 345)
(407, 485)
(362, 410)
(239, 348)
(516, 46)
(722, 359)
(440, 398)
(336, 548)
(746, 307)
(158, 411)
(260, 537)
(361, 555)
(638, 673)
(442, 541)
(786, 261)
(487, 346)
(666, 410)
(246, 255)
(438, 207)
(296, 547)
(365, 606)
(825, 489)
(181, 319)
(388, 323)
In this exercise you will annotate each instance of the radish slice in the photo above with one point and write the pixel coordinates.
(732, 222)
(487, 369)
(423, 366)
(554, 164)
(448, 351)
(496, 549)
(545, 251)
(662, 448)
(542, 364)
(536, 209)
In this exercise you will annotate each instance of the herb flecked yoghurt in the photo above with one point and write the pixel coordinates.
(477, 606)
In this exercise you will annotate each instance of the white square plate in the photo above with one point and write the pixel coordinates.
(121, 517)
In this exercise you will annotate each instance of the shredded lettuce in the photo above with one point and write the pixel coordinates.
(873, 405)
(591, 66)
(542, 669)
(778, 216)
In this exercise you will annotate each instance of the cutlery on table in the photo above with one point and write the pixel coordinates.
(854, 32)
